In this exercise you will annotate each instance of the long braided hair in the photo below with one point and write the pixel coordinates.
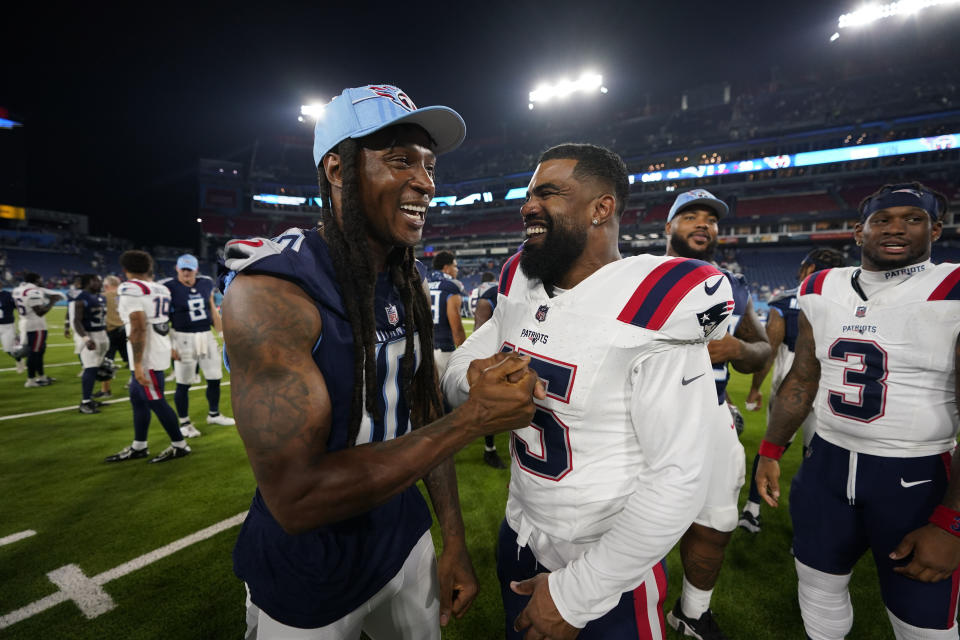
(350, 255)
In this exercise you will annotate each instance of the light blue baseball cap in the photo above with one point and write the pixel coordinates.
(698, 196)
(364, 110)
(187, 261)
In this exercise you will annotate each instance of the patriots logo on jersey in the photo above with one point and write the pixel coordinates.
(713, 316)
(392, 316)
(861, 312)
(541, 314)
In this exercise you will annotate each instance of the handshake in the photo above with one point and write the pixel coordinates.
(502, 390)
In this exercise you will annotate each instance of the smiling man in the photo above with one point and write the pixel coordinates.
(880, 344)
(609, 473)
(329, 336)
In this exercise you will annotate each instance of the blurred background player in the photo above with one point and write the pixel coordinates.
(33, 303)
(143, 306)
(782, 334)
(485, 303)
(692, 232)
(115, 333)
(90, 329)
(193, 314)
(446, 300)
(8, 330)
(877, 358)
(487, 280)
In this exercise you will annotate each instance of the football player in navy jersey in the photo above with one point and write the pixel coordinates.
(609, 473)
(90, 329)
(9, 341)
(692, 231)
(877, 359)
(328, 335)
(446, 300)
(193, 313)
(782, 334)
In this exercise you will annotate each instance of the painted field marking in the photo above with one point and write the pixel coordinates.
(87, 593)
(73, 407)
(14, 537)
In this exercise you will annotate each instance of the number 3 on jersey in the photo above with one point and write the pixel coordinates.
(555, 460)
(868, 379)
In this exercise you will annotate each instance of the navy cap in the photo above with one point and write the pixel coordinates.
(698, 196)
(358, 112)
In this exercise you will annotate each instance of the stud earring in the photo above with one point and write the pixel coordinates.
(595, 221)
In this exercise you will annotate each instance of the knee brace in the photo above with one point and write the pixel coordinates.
(824, 603)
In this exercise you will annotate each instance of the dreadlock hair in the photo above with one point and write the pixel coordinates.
(350, 255)
(824, 258)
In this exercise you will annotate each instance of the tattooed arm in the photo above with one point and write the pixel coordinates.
(283, 412)
(793, 402)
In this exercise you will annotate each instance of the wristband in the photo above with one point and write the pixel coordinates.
(947, 519)
(770, 450)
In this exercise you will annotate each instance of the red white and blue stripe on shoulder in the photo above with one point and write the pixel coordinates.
(814, 283)
(662, 290)
(949, 289)
(506, 274)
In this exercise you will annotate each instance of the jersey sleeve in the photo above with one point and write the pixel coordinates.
(684, 300)
(674, 414)
(34, 298)
(130, 297)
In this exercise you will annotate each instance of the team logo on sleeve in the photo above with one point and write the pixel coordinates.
(393, 317)
(713, 316)
(541, 314)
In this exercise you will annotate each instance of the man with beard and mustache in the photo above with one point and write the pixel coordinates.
(878, 359)
(692, 231)
(609, 473)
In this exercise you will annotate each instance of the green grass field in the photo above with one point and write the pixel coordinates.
(98, 517)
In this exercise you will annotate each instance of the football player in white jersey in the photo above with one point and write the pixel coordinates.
(143, 306)
(609, 473)
(33, 303)
(876, 357)
(692, 232)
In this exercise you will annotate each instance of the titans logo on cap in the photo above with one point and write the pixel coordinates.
(393, 93)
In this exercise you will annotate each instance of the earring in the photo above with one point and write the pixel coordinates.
(595, 221)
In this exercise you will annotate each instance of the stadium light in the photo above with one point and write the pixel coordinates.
(587, 83)
(873, 12)
(313, 111)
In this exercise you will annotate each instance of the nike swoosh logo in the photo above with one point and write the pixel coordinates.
(712, 290)
(907, 485)
(685, 382)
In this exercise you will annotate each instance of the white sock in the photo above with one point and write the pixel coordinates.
(179, 444)
(139, 445)
(693, 601)
(184, 421)
(753, 508)
(486, 448)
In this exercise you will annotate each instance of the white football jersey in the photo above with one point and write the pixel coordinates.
(614, 466)
(153, 300)
(28, 297)
(886, 363)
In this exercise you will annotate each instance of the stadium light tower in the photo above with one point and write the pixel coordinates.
(314, 111)
(588, 83)
(872, 12)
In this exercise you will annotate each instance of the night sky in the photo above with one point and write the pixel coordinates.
(118, 107)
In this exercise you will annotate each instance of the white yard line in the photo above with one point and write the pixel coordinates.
(87, 593)
(14, 537)
(73, 407)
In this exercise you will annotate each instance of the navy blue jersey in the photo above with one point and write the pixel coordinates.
(786, 305)
(311, 579)
(94, 311)
(442, 287)
(741, 297)
(6, 307)
(190, 306)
